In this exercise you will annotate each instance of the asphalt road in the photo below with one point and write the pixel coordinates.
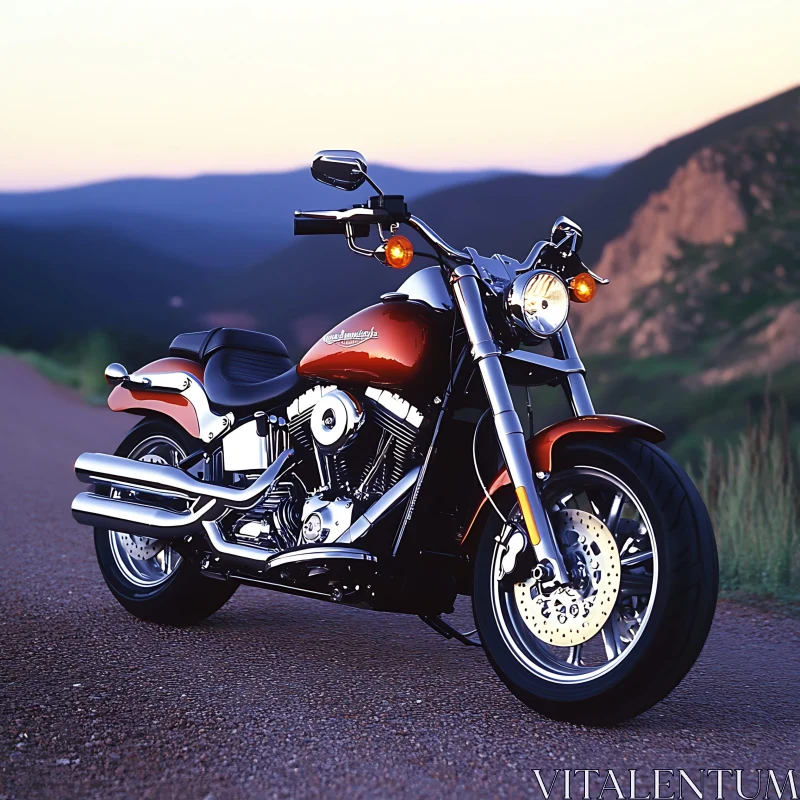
(278, 696)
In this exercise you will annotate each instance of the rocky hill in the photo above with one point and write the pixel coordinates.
(507, 214)
(705, 284)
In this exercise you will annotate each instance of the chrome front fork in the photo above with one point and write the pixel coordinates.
(466, 289)
(575, 385)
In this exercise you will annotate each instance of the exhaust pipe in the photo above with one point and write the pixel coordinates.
(206, 500)
(136, 518)
(359, 528)
(140, 476)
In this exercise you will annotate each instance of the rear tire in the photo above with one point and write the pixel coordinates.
(181, 595)
(679, 612)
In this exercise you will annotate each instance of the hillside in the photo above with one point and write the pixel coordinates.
(607, 212)
(507, 214)
(507, 223)
(701, 316)
(208, 246)
(63, 283)
(700, 238)
(217, 221)
(504, 214)
(328, 281)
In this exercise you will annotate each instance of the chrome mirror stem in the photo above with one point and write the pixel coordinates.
(372, 183)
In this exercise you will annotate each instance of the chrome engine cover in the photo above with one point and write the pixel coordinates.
(335, 420)
(350, 449)
(274, 522)
(325, 520)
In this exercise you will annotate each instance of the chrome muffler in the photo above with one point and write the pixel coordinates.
(205, 501)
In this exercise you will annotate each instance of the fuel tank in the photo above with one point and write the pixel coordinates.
(398, 344)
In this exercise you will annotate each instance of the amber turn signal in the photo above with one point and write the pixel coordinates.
(399, 252)
(582, 288)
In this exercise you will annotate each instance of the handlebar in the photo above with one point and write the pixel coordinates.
(389, 210)
(311, 223)
(433, 238)
(321, 223)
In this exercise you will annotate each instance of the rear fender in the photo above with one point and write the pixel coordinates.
(542, 446)
(175, 406)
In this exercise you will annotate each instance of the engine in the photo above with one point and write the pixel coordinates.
(349, 450)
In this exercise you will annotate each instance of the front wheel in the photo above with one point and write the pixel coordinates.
(148, 578)
(639, 546)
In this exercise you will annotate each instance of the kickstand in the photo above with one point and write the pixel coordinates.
(470, 638)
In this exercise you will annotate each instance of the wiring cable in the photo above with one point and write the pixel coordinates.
(478, 472)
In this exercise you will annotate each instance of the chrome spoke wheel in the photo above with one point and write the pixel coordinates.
(580, 632)
(143, 561)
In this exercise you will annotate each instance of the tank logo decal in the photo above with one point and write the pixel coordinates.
(345, 338)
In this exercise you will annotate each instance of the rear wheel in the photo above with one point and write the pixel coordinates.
(150, 579)
(638, 543)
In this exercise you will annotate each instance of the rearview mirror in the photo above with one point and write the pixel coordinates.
(342, 169)
(563, 229)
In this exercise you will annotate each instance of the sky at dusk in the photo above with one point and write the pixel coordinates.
(92, 90)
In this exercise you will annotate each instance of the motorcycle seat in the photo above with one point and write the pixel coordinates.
(244, 370)
(201, 345)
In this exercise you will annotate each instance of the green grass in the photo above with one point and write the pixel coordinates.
(752, 490)
(652, 390)
(80, 366)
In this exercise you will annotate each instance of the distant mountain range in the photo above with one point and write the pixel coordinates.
(331, 282)
(174, 252)
(215, 221)
(505, 214)
(700, 236)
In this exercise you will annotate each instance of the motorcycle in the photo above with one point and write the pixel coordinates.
(389, 470)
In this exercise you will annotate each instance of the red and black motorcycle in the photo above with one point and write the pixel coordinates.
(389, 470)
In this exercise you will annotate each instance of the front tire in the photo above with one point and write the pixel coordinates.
(160, 587)
(667, 593)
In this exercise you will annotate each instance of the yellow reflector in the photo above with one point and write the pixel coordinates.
(527, 515)
(582, 288)
(399, 252)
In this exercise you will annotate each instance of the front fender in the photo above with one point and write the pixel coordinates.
(541, 446)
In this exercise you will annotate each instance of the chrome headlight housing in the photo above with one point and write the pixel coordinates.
(538, 302)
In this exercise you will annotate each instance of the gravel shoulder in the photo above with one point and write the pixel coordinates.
(277, 696)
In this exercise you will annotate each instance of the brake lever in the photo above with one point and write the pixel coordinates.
(583, 268)
(598, 279)
(356, 215)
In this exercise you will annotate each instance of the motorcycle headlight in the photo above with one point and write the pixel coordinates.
(539, 302)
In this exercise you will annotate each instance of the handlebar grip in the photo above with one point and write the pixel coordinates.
(325, 227)
(317, 227)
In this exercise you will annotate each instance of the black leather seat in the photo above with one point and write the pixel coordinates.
(200, 346)
(244, 370)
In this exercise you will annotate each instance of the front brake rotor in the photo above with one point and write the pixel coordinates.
(571, 615)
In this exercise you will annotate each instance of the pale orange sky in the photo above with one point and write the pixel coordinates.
(92, 89)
